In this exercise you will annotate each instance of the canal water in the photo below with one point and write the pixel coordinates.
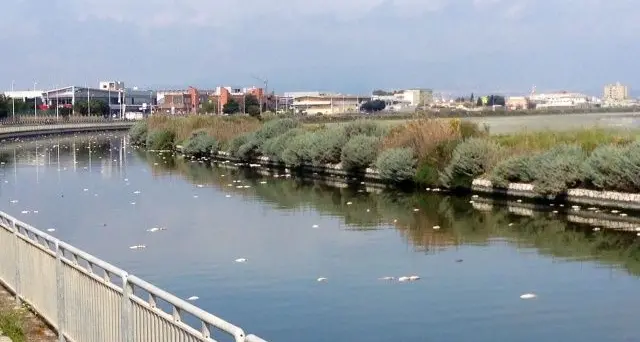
(474, 260)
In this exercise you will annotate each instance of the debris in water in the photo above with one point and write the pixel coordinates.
(416, 209)
(137, 192)
(436, 227)
(241, 260)
(322, 279)
(528, 296)
(85, 189)
(315, 226)
(192, 298)
(138, 247)
(386, 278)
(596, 229)
(614, 211)
(14, 201)
(349, 203)
(25, 211)
(51, 230)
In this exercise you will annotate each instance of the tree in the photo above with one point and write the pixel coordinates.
(231, 107)
(99, 107)
(80, 107)
(209, 107)
(479, 102)
(5, 106)
(471, 98)
(373, 106)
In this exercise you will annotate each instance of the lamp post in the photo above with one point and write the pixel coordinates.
(13, 101)
(35, 100)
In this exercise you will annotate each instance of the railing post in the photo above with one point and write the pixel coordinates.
(60, 292)
(16, 245)
(127, 324)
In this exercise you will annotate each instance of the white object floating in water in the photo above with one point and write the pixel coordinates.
(156, 229)
(241, 260)
(14, 201)
(322, 279)
(416, 209)
(228, 196)
(195, 196)
(138, 247)
(368, 210)
(436, 227)
(200, 186)
(35, 211)
(126, 179)
(475, 196)
(349, 203)
(133, 203)
(528, 296)
(510, 224)
(519, 201)
(51, 230)
(25, 211)
(137, 192)
(555, 211)
(315, 226)
(471, 202)
(408, 278)
(414, 278)
(85, 189)
(596, 229)
(386, 278)
(623, 215)
(614, 211)
(576, 207)
(263, 182)
(192, 298)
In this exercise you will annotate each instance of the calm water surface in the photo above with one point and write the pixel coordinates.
(587, 282)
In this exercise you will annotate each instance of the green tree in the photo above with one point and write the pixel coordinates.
(472, 98)
(80, 108)
(231, 107)
(209, 107)
(252, 105)
(5, 106)
(99, 107)
(373, 106)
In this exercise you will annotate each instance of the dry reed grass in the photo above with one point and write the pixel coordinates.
(422, 136)
(223, 128)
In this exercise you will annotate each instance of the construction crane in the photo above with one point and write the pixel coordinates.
(266, 87)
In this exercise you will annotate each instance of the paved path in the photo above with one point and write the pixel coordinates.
(35, 329)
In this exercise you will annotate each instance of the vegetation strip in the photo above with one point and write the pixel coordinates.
(434, 153)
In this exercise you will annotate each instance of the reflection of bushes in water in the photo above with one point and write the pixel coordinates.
(459, 222)
(165, 161)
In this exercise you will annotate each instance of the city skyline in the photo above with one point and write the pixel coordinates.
(354, 47)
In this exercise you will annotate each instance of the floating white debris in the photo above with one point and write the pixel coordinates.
(137, 192)
(35, 211)
(14, 201)
(596, 229)
(126, 179)
(156, 229)
(228, 196)
(85, 189)
(403, 279)
(614, 211)
(51, 230)
(475, 196)
(575, 207)
(519, 201)
(592, 209)
(436, 227)
(528, 296)
(315, 226)
(561, 205)
(368, 210)
(25, 211)
(386, 278)
(247, 186)
(416, 209)
(428, 189)
(414, 278)
(138, 247)
(263, 182)
(241, 260)
(510, 224)
(471, 202)
(623, 215)
(133, 203)
(349, 203)
(555, 211)
(321, 279)
(195, 196)
(192, 298)
(200, 186)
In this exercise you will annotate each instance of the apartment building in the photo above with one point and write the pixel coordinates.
(615, 92)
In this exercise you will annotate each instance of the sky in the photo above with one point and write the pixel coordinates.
(350, 46)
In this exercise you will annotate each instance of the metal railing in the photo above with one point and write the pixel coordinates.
(7, 130)
(86, 299)
(50, 120)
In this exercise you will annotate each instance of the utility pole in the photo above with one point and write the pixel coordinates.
(13, 101)
(35, 100)
(266, 89)
(88, 100)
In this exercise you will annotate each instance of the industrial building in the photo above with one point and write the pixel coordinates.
(325, 103)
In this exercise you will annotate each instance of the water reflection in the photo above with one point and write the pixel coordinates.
(459, 222)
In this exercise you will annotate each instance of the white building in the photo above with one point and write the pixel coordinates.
(402, 99)
(24, 94)
(561, 100)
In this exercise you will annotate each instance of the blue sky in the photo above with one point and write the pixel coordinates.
(341, 45)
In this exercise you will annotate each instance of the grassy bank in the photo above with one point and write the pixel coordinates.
(423, 152)
(11, 325)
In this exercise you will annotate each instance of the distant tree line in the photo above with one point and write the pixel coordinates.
(373, 106)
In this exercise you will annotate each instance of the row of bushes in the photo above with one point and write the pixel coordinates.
(427, 152)
(608, 167)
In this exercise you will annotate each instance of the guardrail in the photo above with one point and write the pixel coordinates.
(51, 120)
(25, 131)
(86, 299)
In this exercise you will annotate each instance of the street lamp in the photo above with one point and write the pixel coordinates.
(13, 101)
(35, 100)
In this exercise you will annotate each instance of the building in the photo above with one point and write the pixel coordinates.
(120, 99)
(615, 92)
(561, 100)
(312, 103)
(190, 100)
(400, 100)
(517, 103)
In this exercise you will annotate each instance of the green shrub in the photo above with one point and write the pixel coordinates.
(327, 146)
(274, 128)
(200, 144)
(359, 152)
(614, 168)
(248, 150)
(558, 169)
(298, 151)
(512, 170)
(364, 127)
(427, 175)
(470, 129)
(471, 158)
(235, 143)
(273, 148)
(162, 139)
(138, 133)
(396, 165)
(12, 325)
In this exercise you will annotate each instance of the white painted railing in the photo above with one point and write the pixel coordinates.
(88, 300)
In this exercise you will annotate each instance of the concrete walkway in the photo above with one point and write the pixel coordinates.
(34, 328)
